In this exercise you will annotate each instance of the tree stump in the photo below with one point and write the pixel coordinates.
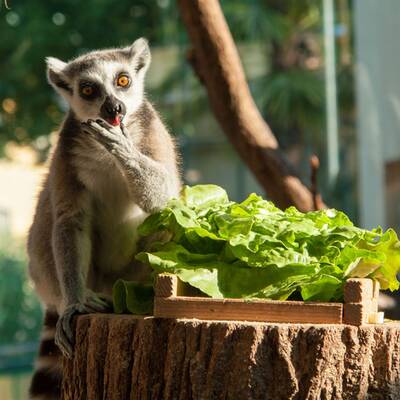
(127, 357)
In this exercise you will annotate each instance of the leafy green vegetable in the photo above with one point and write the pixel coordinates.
(134, 297)
(255, 250)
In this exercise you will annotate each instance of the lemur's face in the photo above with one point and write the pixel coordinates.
(106, 84)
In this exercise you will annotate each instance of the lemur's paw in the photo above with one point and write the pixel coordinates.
(113, 138)
(64, 337)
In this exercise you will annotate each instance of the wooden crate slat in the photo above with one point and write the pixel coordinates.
(174, 299)
(357, 290)
(166, 285)
(376, 289)
(355, 314)
(242, 310)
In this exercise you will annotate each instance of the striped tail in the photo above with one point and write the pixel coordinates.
(47, 377)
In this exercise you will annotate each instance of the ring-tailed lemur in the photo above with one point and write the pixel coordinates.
(114, 163)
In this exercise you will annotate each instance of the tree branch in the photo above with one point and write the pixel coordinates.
(217, 63)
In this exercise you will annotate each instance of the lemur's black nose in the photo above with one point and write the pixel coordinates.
(112, 107)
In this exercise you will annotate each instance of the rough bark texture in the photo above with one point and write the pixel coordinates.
(125, 357)
(217, 63)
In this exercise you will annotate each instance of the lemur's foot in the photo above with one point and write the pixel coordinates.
(64, 337)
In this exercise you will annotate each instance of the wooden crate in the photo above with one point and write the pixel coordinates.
(360, 305)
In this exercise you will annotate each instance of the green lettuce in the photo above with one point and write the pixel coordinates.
(133, 297)
(255, 250)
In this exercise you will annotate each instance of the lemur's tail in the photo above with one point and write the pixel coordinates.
(47, 377)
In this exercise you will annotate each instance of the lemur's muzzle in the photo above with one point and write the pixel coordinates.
(113, 110)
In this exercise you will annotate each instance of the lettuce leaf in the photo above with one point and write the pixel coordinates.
(254, 249)
(133, 297)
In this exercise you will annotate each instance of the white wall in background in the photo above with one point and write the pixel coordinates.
(377, 40)
(19, 185)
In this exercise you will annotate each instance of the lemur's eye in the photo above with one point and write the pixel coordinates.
(123, 80)
(87, 90)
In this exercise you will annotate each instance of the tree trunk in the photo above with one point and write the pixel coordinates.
(217, 63)
(126, 357)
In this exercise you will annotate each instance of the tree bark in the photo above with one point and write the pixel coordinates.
(217, 63)
(126, 357)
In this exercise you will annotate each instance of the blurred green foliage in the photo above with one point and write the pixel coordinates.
(285, 68)
(20, 311)
(290, 94)
(64, 29)
(286, 38)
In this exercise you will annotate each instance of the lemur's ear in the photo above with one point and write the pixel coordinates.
(139, 53)
(56, 76)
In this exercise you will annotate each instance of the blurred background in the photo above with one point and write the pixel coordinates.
(322, 72)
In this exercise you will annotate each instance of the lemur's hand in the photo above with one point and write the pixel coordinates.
(64, 337)
(114, 138)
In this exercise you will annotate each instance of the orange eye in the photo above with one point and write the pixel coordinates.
(87, 90)
(123, 81)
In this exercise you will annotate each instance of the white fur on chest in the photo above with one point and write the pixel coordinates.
(116, 237)
(115, 216)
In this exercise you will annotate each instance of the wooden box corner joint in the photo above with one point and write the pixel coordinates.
(361, 302)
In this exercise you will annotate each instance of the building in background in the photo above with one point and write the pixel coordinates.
(378, 117)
